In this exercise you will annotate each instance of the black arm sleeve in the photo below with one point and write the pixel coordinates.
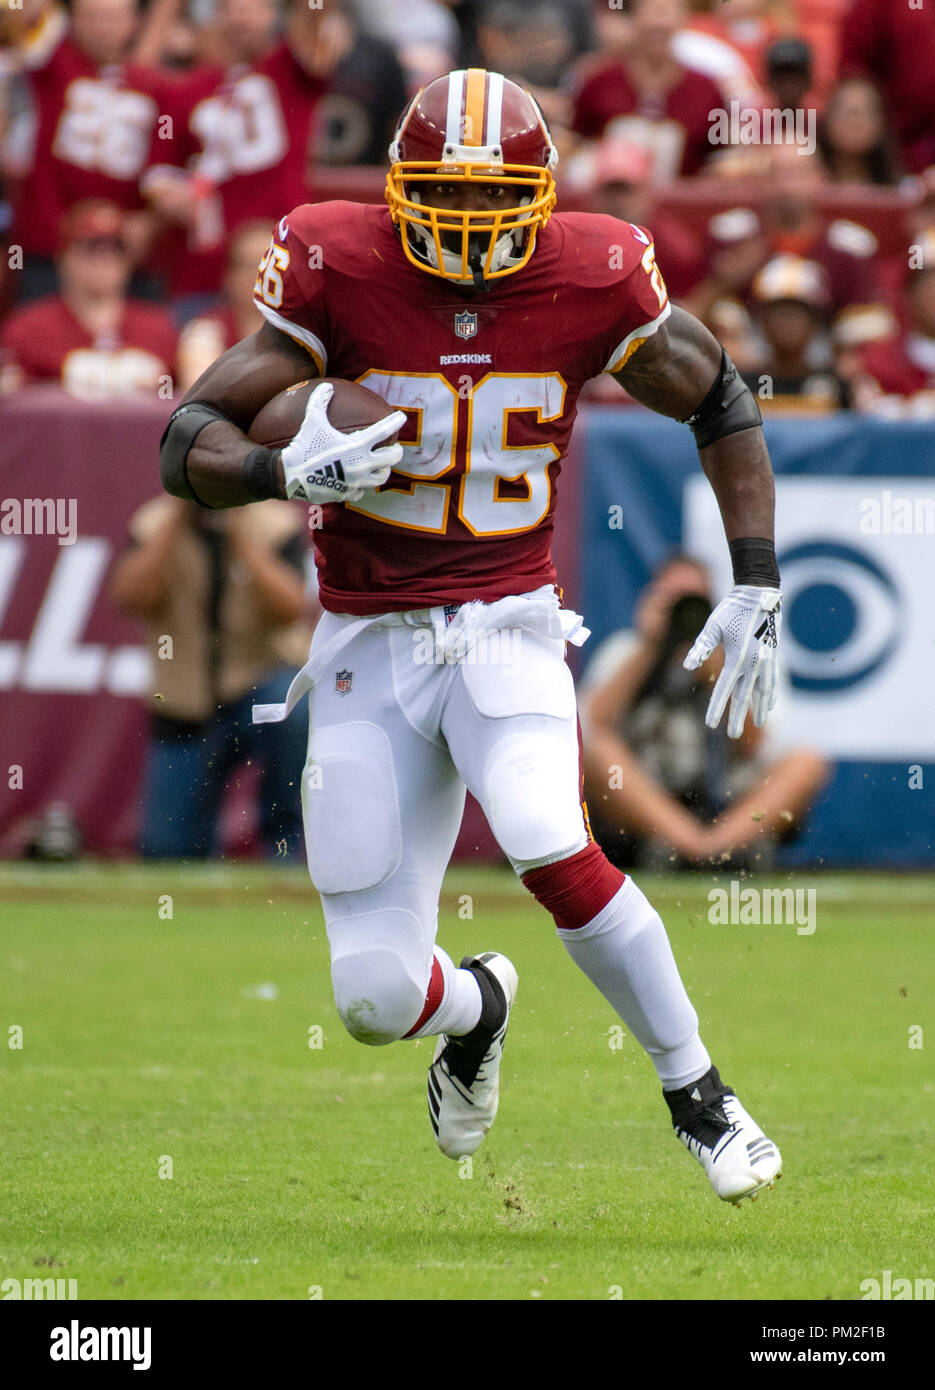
(727, 408)
(185, 424)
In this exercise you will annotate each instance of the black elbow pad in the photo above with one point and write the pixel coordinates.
(727, 408)
(185, 424)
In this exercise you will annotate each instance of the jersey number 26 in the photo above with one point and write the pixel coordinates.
(425, 503)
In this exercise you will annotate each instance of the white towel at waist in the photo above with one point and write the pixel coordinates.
(538, 611)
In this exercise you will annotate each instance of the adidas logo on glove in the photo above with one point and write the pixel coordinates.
(332, 475)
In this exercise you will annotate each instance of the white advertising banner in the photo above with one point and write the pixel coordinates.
(857, 558)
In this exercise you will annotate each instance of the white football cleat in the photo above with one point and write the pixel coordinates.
(464, 1078)
(730, 1146)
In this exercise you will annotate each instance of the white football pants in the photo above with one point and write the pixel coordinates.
(396, 733)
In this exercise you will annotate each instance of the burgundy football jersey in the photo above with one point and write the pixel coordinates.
(245, 133)
(94, 126)
(45, 342)
(489, 382)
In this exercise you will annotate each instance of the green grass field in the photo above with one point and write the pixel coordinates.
(294, 1169)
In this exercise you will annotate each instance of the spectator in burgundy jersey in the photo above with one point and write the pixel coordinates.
(901, 370)
(91, 338)
(855, 143)
(237, 147)
(648, 97)
(793, 299)
(95, 100)
(894, 44)
(796, 225)
(203, 339)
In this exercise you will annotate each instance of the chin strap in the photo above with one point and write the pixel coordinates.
(477, 270)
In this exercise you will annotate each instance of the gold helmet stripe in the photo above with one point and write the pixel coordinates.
(475, 90)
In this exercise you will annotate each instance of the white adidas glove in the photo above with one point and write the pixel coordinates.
(747, 622)
(323, 465)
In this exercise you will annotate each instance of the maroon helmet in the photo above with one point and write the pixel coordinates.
(467, 128)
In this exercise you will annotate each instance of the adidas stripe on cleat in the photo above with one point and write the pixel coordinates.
(464, 1078)
(736, 1155)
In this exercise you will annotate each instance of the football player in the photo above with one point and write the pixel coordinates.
(439, 662)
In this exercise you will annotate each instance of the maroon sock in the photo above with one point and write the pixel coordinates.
(575, 889)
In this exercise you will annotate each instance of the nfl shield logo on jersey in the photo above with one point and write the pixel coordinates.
(343, 682)
(466, 324)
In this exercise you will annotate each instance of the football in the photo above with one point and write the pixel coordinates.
(351, 408)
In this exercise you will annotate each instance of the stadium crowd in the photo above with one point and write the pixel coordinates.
(782, 152)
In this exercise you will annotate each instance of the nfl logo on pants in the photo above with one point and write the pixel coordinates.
(466, 324)
(343, 682)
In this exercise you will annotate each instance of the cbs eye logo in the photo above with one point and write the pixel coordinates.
(841, 614)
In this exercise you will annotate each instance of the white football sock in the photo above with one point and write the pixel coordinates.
(460, 1008)
(625, 952)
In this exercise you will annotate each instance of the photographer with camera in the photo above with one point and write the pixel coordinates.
(661, 787)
